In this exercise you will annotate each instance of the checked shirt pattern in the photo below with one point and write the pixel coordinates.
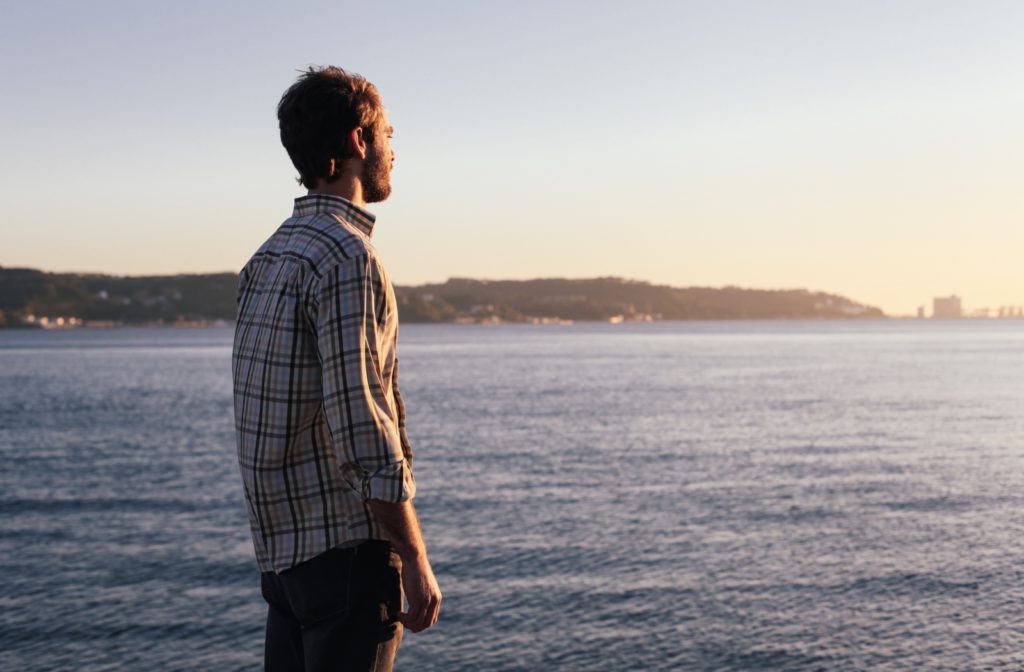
(319, 420)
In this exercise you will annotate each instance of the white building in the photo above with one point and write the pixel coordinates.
(949, 306)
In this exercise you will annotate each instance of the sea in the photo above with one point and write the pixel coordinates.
(791, 495)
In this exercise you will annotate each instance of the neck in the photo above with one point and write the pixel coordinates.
(348, 187)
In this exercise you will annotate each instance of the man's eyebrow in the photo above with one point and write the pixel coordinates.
(389, 130)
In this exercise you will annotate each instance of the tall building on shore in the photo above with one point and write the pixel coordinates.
(948, 306)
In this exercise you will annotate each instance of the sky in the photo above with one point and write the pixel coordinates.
(869, 149)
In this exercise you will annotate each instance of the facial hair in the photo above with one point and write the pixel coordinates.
(376, 177)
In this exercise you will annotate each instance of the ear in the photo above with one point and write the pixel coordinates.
(357, 142)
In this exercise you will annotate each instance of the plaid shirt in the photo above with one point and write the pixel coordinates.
(319, 421)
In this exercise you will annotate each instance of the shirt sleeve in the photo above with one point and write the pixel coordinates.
(400, 407)
(350, 309)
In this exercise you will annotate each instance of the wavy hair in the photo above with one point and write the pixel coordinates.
(316, 115)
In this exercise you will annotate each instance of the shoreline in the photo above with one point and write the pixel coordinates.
(216, 324)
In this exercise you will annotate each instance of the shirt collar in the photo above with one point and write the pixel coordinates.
(318, 204)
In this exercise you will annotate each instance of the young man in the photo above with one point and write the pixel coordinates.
(320, 423)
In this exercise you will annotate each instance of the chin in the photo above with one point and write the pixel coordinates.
(377, 195)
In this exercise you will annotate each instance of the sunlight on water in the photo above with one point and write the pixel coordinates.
(705, 496)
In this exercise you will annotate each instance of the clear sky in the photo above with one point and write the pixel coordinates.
(872, 149)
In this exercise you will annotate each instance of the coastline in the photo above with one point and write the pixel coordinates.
(65, 324)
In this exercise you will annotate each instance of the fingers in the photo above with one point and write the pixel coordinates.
(413, 618)
(430, 611)
(422, 614)
(435, 609)
(423, 594)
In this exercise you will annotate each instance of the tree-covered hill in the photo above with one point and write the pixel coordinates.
(129, 300)
(175, 298)
(612, 298)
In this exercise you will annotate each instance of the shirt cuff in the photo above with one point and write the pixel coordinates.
(391, 483)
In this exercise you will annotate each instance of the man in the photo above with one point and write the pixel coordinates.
(320, 424)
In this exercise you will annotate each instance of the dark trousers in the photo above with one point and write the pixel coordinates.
(336, 611)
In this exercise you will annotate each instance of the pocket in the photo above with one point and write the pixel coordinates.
(392, 583)
(321, 588)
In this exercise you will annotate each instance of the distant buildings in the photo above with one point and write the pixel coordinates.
(46, 322)
(952, 307)
(949, 306)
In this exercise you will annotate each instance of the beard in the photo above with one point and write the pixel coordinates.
(376, 177)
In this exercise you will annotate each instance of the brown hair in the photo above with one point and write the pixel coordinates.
(316, 115)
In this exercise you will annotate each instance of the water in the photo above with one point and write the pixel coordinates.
(671, 496)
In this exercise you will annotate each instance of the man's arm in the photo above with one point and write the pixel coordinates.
(401, 527)
(373, 452)
(347, 313)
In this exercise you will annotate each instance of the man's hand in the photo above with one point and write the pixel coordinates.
(402, 528)
(423, 594)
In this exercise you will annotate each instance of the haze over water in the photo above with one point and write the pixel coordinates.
(701, 496)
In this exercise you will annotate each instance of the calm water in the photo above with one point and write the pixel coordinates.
(675, 496)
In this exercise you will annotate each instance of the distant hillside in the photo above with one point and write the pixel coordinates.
(177, 298)
(614, 298)
(118, 299)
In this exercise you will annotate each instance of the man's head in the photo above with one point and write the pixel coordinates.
(333, 125)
